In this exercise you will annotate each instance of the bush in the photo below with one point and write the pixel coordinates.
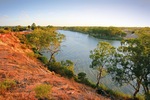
(6, 85)
(5, 30)
(59, 69)
(43, 91)
(81, 76)
(31, 55)
(67, 73)
(147, 96)
(22, 38)
(43, 59)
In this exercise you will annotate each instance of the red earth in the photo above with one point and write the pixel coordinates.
(18, 64)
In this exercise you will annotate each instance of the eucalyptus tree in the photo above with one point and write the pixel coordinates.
(130, 65)
(100, 58)
(144, 37)
(47, 39)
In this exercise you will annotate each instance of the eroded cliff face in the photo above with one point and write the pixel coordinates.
(17, 63)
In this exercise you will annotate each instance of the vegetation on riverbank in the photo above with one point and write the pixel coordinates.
(18, 63)
(63, 68)
(127, 64)
(109, 33)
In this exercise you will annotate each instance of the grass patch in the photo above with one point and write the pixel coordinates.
(43, 91)
(142, 97)
(6, 85)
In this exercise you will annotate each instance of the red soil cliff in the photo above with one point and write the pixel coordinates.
(17, 64)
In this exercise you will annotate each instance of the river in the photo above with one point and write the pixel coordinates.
(76, 47)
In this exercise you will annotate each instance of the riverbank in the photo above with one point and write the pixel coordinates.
(17, 63)
(108, 33)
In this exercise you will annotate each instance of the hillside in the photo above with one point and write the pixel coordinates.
(16, 63)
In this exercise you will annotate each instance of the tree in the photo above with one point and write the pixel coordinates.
(144, 37)
(17, 28)
(47, 39)
(100, 58)
(39, 39)
(33, 26)
(131, 65)
(29, 27)
(55, 46)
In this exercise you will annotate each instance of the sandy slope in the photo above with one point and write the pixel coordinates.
(16, 64)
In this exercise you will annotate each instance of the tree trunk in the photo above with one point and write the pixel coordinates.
(99, 77)
(137, 88)
(135, 93)
(97, 84)
(147, 90)
(51, 57)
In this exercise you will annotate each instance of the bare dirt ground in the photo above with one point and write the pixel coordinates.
(17, 64)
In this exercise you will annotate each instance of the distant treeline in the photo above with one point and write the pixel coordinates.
(100, 32)
(19, 28)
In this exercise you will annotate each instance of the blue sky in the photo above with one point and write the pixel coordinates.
(75, 12)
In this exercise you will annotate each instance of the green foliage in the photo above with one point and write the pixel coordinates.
(3, 30)
(147, 96)
(6, 85)
(32, 55)
(100, 32)
(100, 57)
(33, 26)
(81, 76)
(63, 69)
(39, 39)
(68, 64)
(43, 59)
(43, 91)
(46, 38)
(131, 63)
(22, 38)
(142, 97)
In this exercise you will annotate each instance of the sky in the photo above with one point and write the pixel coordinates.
(123, 13)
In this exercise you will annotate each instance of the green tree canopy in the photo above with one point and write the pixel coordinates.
(46, 38)
(131, 64)
(33, 26)
(100, 58)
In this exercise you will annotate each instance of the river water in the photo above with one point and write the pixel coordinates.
(76, 47)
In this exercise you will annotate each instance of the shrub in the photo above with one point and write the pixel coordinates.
(43, 91)
(6, 85)
(31, 54)
(35, 51)
(81, 76)
(147, 96)
(67, 73)
(22, 38)
(2, 30)
(59, 69)
(82, 79)
(43, 59)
